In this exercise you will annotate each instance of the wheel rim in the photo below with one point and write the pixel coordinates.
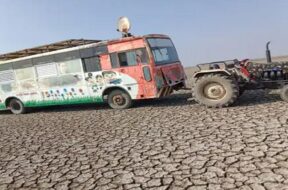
(214, 91)
(119, 100)
(15, 106)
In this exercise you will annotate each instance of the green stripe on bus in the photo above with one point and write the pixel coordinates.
(2, 106)
(70, 101)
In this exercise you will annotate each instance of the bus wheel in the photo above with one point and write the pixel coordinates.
(16, 106)
(284, 93)
(118, 99)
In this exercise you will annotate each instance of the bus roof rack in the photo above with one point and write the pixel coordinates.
(47, 48)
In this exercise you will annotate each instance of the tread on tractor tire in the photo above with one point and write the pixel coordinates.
(119, 99)
(16, 106)
(241, 91)
(215, 90)
(284, 93)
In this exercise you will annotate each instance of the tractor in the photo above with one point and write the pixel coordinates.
(219, 84)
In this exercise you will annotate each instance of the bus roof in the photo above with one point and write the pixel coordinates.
(64, 46)
(46, 48)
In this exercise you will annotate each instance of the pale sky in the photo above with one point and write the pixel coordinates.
(202, 30)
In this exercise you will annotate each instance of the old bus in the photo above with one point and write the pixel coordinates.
(88, 71)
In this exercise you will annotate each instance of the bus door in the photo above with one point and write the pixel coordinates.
(135, 64)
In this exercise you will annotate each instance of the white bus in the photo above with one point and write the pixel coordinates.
(31, 77)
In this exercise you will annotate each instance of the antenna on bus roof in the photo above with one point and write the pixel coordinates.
(123, 26)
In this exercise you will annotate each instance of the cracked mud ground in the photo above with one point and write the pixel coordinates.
(158, 144)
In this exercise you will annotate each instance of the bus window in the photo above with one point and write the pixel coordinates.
(68, 67)
(163, 51)
(114, 60)
(91, 64)
(25, 73)
(7, 81)
(161, 55)
(47, 75)
(147, 73)
(66, 56)
(70, 73)
(129, 58)
(46, 70)
(52, 81)
(26, 78)
(7, 76)
(141, 56)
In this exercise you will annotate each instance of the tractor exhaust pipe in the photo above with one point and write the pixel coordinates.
(268, 53)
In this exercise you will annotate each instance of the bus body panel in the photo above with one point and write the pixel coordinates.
(98, 82)
(87, 92)
(126, 45)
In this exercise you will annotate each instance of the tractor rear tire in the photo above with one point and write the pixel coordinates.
(215, 90)
(284, 93)
(241, 91)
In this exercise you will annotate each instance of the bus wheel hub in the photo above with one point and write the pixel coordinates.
(214, 91)
(118, 99)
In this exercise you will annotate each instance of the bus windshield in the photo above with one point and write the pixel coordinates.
(163, 50)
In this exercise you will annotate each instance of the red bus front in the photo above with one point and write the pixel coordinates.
(151, 60)
(168, 72)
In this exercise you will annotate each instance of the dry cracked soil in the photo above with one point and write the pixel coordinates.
(162, 144)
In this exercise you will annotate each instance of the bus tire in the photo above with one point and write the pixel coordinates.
(215, 90)
(119, 99)
(284, 93)
(16, 106)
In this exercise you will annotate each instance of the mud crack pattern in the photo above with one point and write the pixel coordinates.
(158, 144)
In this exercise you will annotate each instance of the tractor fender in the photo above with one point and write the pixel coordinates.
(216, 71)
